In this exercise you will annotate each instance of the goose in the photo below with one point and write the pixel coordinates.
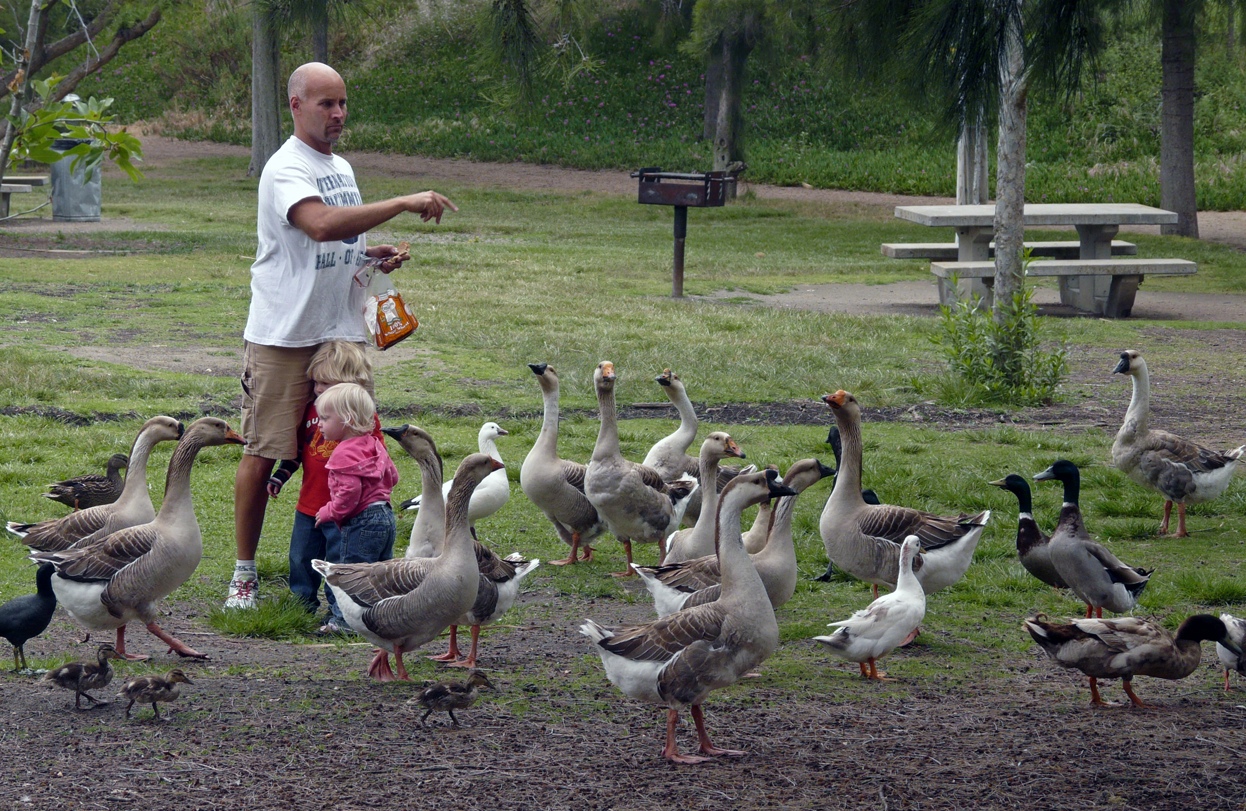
(497, 588)
(1127, 646)
(886, 624)
(676, 661)
(1231, 660)
(401, 604)
(154, 689)
(633, 500)
(1031, 542)
(864, 539)
(870, 497)
(83, 676)
(24, 618)
(430, 522)
(1093, 573)
(697, 581)
(1180, 470)
(493, 493)
(448, 696)
(698, 541)
(132, 508)
(756, 535)
(556, 486)
(91, 490)
(123, 576)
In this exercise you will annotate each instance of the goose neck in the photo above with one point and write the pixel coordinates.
(177, 480)
(687, 431)
(608, 433)
(779, 538)
(848, 478)
(548, 438)
(1140, 401)
(735, 564)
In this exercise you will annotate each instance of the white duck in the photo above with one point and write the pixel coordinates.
(493, 492)
(884, 625)
(864, 539)
(556, 486)
(429, 529)
(633, 500)
(698, 540)
(401, 604)
(496, 591)
(676, 661)
(132, 507)
(122, 577)
(1237, 634)
(1180, 470)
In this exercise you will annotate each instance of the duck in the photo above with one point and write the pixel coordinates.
(155, 689)
(885, 624)
(496, 590)
(429, 528)
(698, 541)
(678, 660)
(556, 486)
(869, 496)
(1232, 661)
(24, 618)
(91, 490)
(1032, 543)
(1127, 646)
(864, 539)
(698, 581)
(493, 493)
(634, 500)
(132, 508)
(1182, 471)
(125, 575)
(1090, 571)
(448, 696)
(400, 604)
(83, 676)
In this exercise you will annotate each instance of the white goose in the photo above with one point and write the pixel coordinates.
(493, 492)
(132, 507)
(1180, 470)
(401, 604)
(122, 577)
(633, 500)
(884, 625)
(698, 541)
(429, 529)
(556, 486)
(676, 661)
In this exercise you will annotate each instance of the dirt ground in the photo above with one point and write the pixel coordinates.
(274, 725)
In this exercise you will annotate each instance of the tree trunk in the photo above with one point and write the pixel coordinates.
(265, 91)
(36, 25)
(713, 89)
(1176, 154)
(972, 186)
(727, 148)
(1010, 175)
(320, 40)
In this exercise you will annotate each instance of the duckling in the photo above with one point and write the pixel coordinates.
(24, 618)
(1231, 660)
(450, 695)
(83, 676)
(91, 490)
(153, 689)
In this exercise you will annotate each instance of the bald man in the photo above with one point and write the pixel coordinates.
(311, 228)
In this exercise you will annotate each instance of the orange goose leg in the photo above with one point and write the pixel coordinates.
(175, 645)
(708, 748)
(570, 560)
(865, 671)
(398, 665)
(1181, 533)
(120, 646)
(1163, 526)
(470, 661)
(875, 673)
(671, 751)
(379, 668)
(452, 655)
(587, 553)
(627, 549)
(1127, 683)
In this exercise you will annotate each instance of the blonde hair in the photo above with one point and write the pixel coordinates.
(340, 362)
(352, 403)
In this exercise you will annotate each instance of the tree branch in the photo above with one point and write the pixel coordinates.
(121, 37)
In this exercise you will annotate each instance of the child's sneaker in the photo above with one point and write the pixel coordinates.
(242, 593)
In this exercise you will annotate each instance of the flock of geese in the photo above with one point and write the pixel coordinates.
(715, 588)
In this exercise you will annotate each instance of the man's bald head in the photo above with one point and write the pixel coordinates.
(309, 74)
(318, 105)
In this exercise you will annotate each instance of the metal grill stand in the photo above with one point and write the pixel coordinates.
(683, 190)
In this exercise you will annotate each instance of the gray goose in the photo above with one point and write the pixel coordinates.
(697, 541)
(125, 575)
(496, 590)
(132, 508)
(837, 448)
(678, 660)
(429, 528)
(1180, 470)
(401, 604)
(864, 539)
(556, 486)
(1032, 543)
(91, 490)
(633, 500)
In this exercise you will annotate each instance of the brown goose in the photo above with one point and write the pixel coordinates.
(83, 676)
(556, 486)
(131, 509)
(1180, 470)
(677, 660)
(633, 500)
(429, 528)
(91, 490)
(154, 689)
(401, 604)
(757, 534)
(123, 576)
(697, 541)
(864, 539)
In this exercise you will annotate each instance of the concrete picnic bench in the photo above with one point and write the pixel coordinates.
(18, 184)
(1102, 277)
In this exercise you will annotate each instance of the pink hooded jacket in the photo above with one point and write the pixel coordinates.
(360, 473)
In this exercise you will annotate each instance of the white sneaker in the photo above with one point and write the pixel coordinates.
(242, 593)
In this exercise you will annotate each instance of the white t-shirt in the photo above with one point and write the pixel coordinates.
(303, 292)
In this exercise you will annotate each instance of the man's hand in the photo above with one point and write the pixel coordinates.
(391, 256)
(429, 205)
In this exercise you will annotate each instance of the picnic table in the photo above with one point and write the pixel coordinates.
(1095, 280)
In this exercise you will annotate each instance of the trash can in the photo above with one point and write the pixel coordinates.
(74, 197)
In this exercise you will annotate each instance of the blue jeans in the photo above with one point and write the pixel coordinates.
(368, 536)
(307, 543)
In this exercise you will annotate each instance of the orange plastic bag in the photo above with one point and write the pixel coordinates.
(388, 318)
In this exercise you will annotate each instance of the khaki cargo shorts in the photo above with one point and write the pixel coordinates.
(275, 393)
